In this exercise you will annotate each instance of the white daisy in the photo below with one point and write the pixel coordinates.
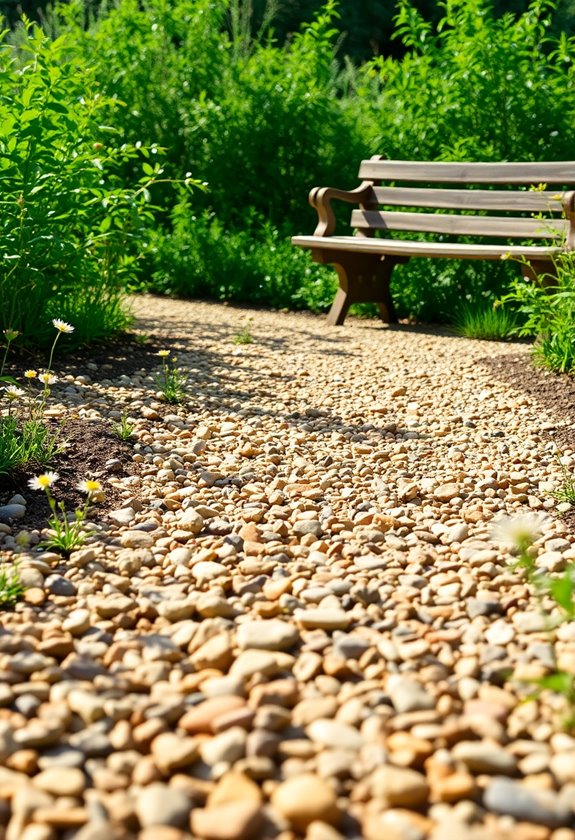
(12, 392)
(47, 378)
(89, 486)
(519, 532)
(62, 326)
(44, 481)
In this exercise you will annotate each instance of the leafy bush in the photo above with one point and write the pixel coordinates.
(70, 229)
(548, 307)
(500, 88)
(203, 259)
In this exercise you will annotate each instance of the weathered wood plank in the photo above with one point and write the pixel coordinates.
(530, 201)
(411, 248)
(498, 226)
(562, 172)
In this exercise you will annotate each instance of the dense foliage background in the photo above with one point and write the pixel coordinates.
(110, 109)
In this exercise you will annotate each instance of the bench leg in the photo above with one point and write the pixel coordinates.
(339, 307)
(363, 278)
(544, 271)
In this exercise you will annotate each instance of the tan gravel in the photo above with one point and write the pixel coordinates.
(298, 623)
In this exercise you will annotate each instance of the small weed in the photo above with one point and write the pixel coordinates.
(66, 535)
(485, 321)
(21, 444)
(24, 436)
(11, 587)
(548, 308)
(244, 336)
(123, 430)
(566, 492)
(171, 381)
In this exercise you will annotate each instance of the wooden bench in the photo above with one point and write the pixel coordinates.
(443, 201)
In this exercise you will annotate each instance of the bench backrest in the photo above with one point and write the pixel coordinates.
(497, 212)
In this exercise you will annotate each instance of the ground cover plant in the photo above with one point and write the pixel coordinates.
(486, 320)
(25, 436)
(11, 588)
(66, 532)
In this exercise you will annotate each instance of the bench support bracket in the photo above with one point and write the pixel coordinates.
(363, 278)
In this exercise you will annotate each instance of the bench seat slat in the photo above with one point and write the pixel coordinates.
(411, 248)
(499, 226)
(531, 201)
(561, 172)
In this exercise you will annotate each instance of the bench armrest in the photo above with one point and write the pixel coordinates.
(321, 197)
(569, 212)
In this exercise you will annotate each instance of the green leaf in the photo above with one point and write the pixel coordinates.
(29, 115)
(560, 682)
(561, 590)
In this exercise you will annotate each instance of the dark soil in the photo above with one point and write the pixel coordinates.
(119, 356)
(554, 392)
(89, 444)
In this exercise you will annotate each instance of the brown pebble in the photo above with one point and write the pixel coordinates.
(35, 596)
(454, 787)
(305, 798)
(61, 817)
(234, 787)
(200, 718)
(231, 821)
(24, 761)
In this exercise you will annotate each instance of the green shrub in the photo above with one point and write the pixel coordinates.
(548, 307)
(70, 229)
(260, 124)
(476, 87)
(203, 259)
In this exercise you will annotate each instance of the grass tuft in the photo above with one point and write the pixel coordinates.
(485, 321)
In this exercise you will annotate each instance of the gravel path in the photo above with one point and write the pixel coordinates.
(297, 623)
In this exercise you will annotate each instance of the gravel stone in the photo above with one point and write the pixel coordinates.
(304, 799)
(267, 635)
(159, 804)
(542, 807)
(407, 695)
(298, 620)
